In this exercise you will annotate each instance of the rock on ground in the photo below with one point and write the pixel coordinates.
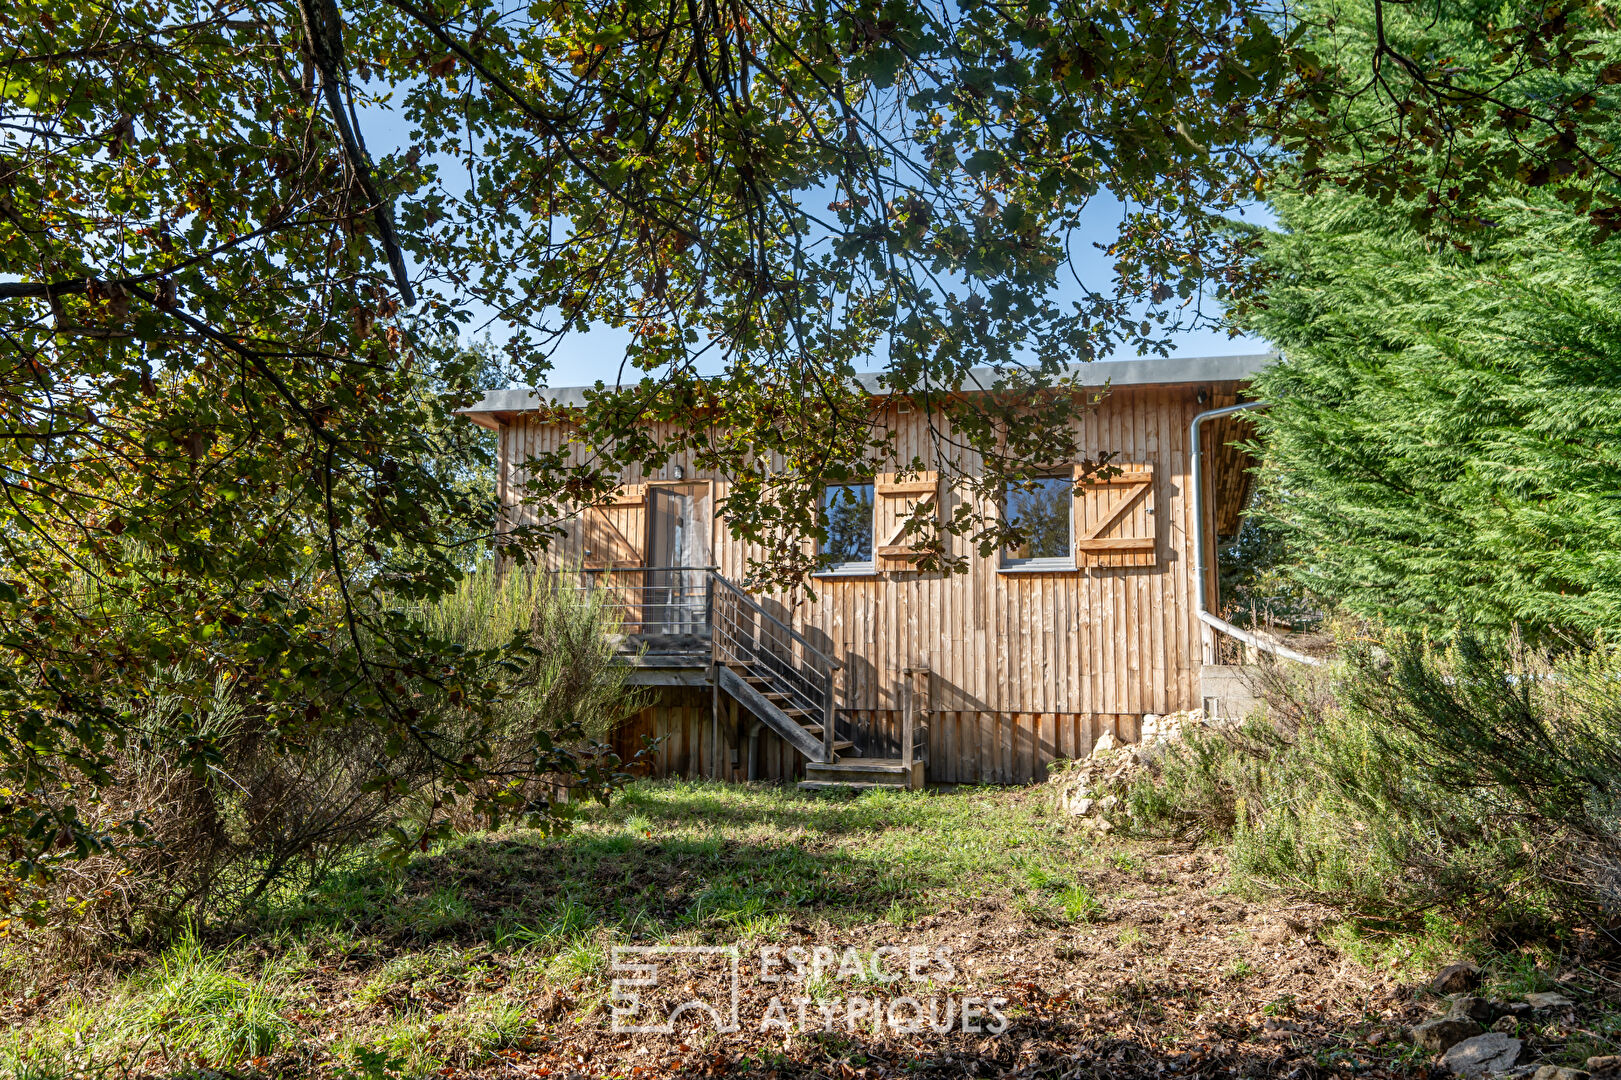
(1456, 978)
(1445, 1033)
(1548, 1000)
(1081, 788)
(1491, 1054)
(1480, 1010)
(1559, 1072)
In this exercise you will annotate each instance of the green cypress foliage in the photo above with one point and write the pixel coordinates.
(1445, 447)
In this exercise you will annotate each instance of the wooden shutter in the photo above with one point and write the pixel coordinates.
(1115, 519)
(894, 502)
(614, 532)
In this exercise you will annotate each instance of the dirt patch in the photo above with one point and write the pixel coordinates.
(1172, 976)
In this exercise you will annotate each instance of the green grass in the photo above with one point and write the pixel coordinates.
(194, 1004)
(1079, 904)
(666, 862)
(1410, 952)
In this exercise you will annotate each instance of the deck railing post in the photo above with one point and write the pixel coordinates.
(830, 710)
(709, 620)
(908, 717)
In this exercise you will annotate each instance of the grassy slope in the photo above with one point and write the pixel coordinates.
(682, 862)
(491, 955)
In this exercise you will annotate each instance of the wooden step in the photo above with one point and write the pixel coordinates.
(841, 785)
(856, 772)
(765, 685)
(838, 744)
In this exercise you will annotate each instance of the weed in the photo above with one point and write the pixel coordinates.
(581, 958)
(1039, 877)
(1515, 976)
(1079, 904)
(372, 1065)
(194, 1004)
(900, 913)
(727, 905)
(1282, 1005)
(437, 914)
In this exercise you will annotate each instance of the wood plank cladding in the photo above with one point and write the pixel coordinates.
(680, 737)
(1024, 666)
(960, 747)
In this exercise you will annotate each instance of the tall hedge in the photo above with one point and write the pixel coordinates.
(1445, 444)
(1444, 447)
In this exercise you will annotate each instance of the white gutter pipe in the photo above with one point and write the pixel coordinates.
(1206, 618)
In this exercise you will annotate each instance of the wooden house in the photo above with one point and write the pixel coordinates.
(892, 676)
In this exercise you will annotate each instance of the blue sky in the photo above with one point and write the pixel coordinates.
(582, 359)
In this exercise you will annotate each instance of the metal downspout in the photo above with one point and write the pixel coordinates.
(1206, 617)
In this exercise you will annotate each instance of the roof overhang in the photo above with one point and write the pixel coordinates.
(501, 406)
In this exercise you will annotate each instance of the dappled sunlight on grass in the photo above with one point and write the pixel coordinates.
(665, 862)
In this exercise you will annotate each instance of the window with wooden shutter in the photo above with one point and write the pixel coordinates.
(896, 502)
(847, 514)
(1115, 518)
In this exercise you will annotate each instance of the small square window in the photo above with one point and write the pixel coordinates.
(847, 510)
(1042, 509)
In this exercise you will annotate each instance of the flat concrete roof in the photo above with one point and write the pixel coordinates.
(1153, 372)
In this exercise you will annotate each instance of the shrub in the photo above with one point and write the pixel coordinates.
(571, 679)
(1476, 779)
(232, 810)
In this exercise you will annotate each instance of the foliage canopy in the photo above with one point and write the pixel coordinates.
(230, 329)
(1443, 446)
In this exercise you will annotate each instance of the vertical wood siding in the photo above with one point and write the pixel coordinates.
(682, 728)
(1026, 667)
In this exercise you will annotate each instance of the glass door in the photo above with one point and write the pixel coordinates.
(678, 557)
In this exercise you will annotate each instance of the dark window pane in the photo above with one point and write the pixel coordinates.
(1041, 510)
(849, 522)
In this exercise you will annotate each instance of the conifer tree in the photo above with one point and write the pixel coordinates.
(1444, 446)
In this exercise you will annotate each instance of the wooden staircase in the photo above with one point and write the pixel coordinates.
(789, 685)
(784, 704)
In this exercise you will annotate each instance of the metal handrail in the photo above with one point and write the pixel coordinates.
(651, 601)
(741, 633)
(793, 634)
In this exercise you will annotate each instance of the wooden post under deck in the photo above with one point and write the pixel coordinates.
(908, 711)
(911, 710)
(830, 709)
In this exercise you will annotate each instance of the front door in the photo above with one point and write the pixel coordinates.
(678, 557)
